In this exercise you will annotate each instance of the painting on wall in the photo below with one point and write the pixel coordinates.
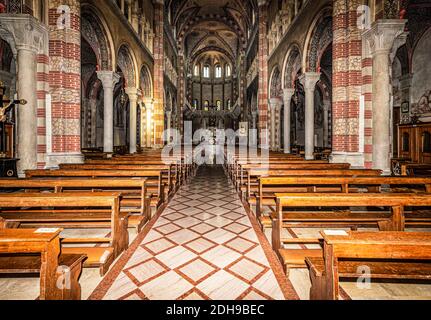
(405, 107)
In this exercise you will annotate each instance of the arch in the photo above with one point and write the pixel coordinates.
(146, 82)
(319, 37)
(126, 63)
(275, 89)
(196, 55)
(291, 66)
(191, 23)
(421, 81)
(96, 32)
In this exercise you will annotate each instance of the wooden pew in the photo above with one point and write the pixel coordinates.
(154, 182)
(169, 173)
(253, 176)
(388, 255)
(269, 186)
(415, 169)
(34, 252)
(32, 210)
(344, 218)
(135, 200)
(259, 169)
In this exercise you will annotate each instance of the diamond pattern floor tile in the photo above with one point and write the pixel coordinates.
(203, 246)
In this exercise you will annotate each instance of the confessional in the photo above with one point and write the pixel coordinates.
(414, 147)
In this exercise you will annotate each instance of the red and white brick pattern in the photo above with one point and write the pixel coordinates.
(65, 78)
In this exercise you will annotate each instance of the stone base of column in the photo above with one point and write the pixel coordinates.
(356, 159)
(55, 159)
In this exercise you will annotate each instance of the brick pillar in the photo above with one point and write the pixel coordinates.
(42, 92)
(158, 112)
(181, 92)
(347, 84)
(65, 81)
(263, 73)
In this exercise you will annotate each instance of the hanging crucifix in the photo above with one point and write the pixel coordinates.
(5, 106)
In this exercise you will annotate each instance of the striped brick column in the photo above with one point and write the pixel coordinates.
(65, 81)
(158, 112)
(347, 83)
(367, 96)
(181, 92)
(42, 94)
(263, 73)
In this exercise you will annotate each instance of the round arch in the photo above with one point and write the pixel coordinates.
(127, 63)
(291, 66)
(146, 82)
(319, 36)
(275, 88)
(96, 32)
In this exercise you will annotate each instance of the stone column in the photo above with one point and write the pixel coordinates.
(263, 73)
(147, 118)
(27, 116)
(133, 94)
(278, 120)
(168, 119)
(326, 107)
(381, 39)
(109, 80)
(309, 80)
(273, 103)
(287, 97)
(254, 119)
(25, 46)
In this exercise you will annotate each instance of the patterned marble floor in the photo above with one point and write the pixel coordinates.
(204, 245)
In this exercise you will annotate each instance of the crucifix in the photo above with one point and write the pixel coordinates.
(5, 106)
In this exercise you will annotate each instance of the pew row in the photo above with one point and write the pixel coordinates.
(37, 252)
(332, 210)
(135, 199)
(29, 210)
(386, 255)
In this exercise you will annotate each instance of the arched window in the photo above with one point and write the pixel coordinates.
(218, 71)
(196, 71)
(229, 104)
(206, 72)
(206, 105)
(228, 71)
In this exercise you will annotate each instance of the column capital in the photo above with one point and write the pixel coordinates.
(309, 79)
(109, 79)
(133, 92)
(275, 102)
(288, 93)
(383, 33)
(25, 32)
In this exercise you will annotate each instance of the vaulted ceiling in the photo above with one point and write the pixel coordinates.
(213, 25)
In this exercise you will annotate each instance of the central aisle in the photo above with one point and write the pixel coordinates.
(203, 246)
